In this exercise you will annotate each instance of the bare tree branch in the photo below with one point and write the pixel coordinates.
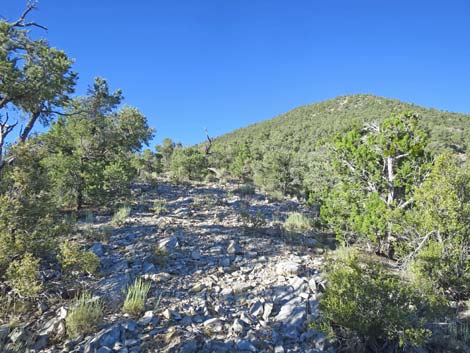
(209, 146)
(21, 22)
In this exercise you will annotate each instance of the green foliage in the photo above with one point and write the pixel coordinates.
(188, 163)
(378, 170)
(165, 151)
(241, 162)
(85, 316)
(439, 231)
(136, 296)
(245, 190)
(252, 223)
(72, 258)
(23, 276)
(28, 219)
(277, 172)
(297, 222)
(366, 305)
(91, 149)
(36, 79)
(148, 165)
(159, 206)
(121, 215)
(307, 130)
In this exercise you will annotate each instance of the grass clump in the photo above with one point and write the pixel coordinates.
(297, 222)
(159, 206)
(85, 316)
(136, 296)
(72, 258)
(23, 276)
(121, 214)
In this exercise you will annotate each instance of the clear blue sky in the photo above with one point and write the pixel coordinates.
(224, 64)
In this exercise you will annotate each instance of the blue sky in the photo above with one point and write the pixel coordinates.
(224, 64)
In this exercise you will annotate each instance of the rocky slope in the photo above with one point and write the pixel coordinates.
(229, 280)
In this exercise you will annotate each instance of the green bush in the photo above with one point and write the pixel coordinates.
(245, 190)
(447, 264)
(297, 222)
(29, 221)
(23, 276)
(252, 223)
(365, 305)
(72, 258)
(135, 298)
(159, 256)
(85, 316)
(159, 206)
(121, 214)
(188, 163)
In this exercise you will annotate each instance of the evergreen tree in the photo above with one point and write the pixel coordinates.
(91, 148)
(378, 170)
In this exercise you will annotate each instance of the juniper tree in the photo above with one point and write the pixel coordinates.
(35, 79)
(378, 170)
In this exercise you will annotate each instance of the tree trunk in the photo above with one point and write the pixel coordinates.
(390, 178)
(29, 126)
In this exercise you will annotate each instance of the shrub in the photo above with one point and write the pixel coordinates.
(367, 304)
(85, 316)
(297, 222)
(22, 275)
(447, 264)
(121, 214)
(252, 222)
(188, 163)
(71, 258)
(159, 256)
(29, 221)
(246, 190)
(135, 298)
(159, 206)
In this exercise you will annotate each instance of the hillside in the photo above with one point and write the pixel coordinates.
(217, 284)
(301, 128)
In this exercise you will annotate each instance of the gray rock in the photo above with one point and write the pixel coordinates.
(245, 345)
(98, 249)
(195, 254)
(105, 338)
(112, 289)
(287, 268)
(149, 268)
(17, 334)
(219, 347)
(147, 318)
(168, 244)
(234, 248)
(190, 347)
(104, 350)
(225, 261)
(292, 317)
(4, 332)
(237, 326)
(41, 342)
(130, 325)
(257, 309)
(268, 308)
(214, 325)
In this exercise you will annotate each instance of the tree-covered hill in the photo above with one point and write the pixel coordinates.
(300, 129)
